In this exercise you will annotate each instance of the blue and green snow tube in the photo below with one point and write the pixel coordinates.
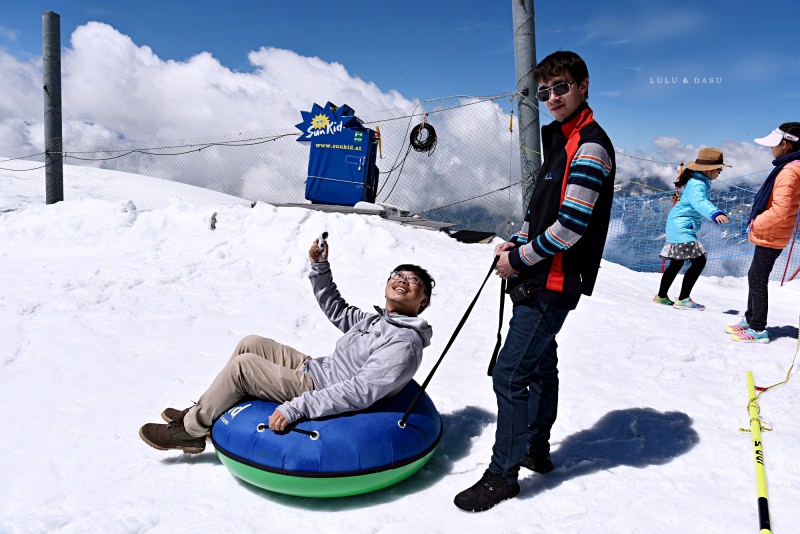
(337, 456)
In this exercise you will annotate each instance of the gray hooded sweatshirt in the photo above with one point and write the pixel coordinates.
(378, 355)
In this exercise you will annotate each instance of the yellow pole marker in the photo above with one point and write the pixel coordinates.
(758, 450)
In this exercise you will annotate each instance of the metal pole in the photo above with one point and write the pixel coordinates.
(525, 62)
(51, 56)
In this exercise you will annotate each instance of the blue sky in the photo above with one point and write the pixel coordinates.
(635, 50)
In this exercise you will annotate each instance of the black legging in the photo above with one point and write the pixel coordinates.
(689, 279)
(757, 280)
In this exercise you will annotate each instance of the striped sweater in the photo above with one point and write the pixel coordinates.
(561, 240)
(590, 166)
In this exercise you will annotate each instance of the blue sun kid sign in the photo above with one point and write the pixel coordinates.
(341, 162)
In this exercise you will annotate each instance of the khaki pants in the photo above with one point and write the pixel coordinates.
(259, 367)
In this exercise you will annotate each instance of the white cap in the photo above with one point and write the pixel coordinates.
(775, 137)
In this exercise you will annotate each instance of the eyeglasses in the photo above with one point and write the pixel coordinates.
(410, 278)
(559, 89)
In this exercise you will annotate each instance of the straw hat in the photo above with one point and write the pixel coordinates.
(708, 159)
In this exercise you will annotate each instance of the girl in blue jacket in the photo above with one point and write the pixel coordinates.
(684, 222)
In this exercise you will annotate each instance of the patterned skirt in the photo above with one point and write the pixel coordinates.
(682, 251)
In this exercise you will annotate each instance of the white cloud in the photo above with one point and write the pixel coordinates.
(111, 81)
(642, 24)
(20, 87)
(8, 34)
(114, 89)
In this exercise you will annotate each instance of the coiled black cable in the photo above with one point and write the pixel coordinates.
(420, 144)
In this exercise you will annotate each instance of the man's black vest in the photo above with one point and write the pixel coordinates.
(572, 272)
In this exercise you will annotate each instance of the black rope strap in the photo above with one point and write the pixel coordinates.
(493, 361)
(402, 422)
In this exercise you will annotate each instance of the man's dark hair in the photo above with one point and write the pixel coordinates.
(794, 129)
(424, 276)
(558, 63)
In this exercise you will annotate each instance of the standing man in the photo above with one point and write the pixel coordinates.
(549, 264)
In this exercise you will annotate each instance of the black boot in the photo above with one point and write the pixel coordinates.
(538, 462)
(491, 489)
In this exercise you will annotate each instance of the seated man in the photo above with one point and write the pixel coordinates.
(378, 355)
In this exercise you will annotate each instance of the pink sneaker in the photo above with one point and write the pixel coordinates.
(751, 336)
(738, 327)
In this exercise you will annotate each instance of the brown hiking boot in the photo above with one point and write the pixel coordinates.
(171, 415)
(174, 415)
(171, 436)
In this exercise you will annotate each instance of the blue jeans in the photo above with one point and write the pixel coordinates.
(525, 380)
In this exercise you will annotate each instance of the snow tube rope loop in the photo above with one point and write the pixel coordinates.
(313, 434)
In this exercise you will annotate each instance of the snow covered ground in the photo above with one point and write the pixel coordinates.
(112, 309)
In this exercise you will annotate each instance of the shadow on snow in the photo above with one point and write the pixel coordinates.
(636, 437)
